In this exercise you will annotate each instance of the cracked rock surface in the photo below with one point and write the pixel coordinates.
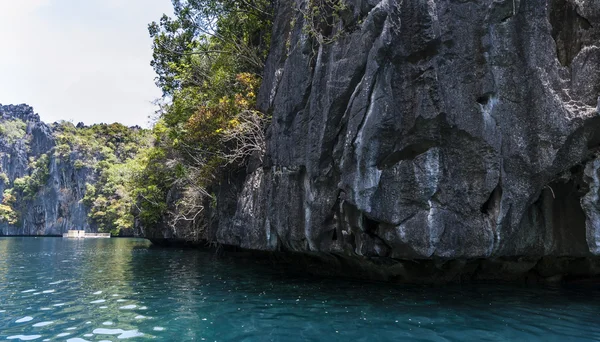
(437, 130)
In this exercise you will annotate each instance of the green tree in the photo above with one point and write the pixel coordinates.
(208, 59)
(205, 34)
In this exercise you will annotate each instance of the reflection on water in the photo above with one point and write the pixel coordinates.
(116, 289)
(55, 288)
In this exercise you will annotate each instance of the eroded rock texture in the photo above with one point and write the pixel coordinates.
(441, 130)
(57, 207)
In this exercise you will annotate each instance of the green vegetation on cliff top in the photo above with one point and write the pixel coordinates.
(107, 156)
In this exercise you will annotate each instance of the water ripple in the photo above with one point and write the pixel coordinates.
(119, 288)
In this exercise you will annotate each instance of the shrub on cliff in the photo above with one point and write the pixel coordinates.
(13, 130)
(208, 59)
(7, 213)
(28, 186)
(24, 189)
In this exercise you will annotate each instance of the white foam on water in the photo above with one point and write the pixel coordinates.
(104, 331)
(77, 339)
(107, 323)
(65, 261)
(63, 334)
(98, 301)
(37, 293)
(130, 334)
(143, 308)
(128, 307)
(1, 311)
(22, 267)
(158, 329)
(104, 307)
(24, 319)
(88, 335)
(27, 291)
(60, 304)
(115, 295)
(140, 317)
(72, 328)
(42, 324)
(45, 309)
(57, 282)
(88, 322)
(48, 291)
(123, 334)
(24, 337)
(97, 293)
(121, 300)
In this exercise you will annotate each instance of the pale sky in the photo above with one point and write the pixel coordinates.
(80, 60)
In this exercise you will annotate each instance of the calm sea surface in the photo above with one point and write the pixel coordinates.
(114, 289)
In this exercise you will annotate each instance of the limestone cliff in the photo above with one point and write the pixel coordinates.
(428, 130)
(46, 171)
(56, 206)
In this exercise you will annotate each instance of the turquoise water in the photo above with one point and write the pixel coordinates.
(119, 289)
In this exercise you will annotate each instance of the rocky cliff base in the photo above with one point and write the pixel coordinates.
(415, 271)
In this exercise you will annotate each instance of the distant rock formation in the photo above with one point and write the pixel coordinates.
(55, 206)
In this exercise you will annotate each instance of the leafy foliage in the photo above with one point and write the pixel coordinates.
(27, 187)
(110, 151)
(24, 189)
(210, 40)
(208, 59)
(98, 145)
(105, 154)
(109, 199)
(7, 213)
(13, 130)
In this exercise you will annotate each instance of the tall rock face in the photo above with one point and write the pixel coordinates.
(429, 130)
(56, 206)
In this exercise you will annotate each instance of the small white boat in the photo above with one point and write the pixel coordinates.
(81, 234)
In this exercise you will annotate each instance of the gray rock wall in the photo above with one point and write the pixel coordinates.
(430, 130)
(56, 208)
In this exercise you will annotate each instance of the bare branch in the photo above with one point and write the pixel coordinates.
(247, 137)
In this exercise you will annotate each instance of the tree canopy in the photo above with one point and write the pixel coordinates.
(208, 59)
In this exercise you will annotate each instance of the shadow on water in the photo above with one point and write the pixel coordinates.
(353, 305)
